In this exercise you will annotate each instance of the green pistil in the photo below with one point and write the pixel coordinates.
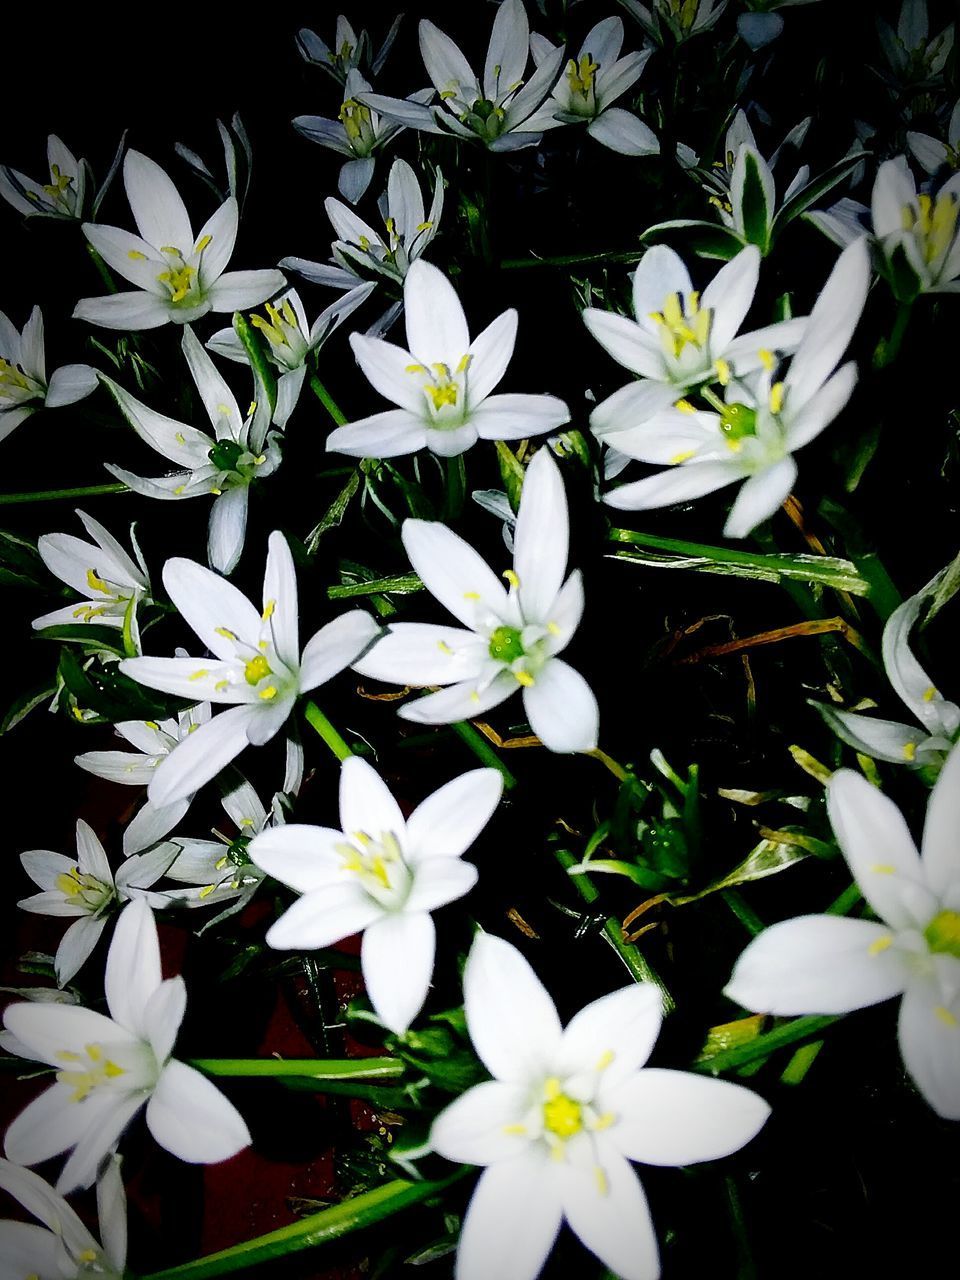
(943, 934)
(506, 645)
(738, 421)
(226, 455)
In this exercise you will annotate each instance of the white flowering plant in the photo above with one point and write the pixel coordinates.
(577, 889)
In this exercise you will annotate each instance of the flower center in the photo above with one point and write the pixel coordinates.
(506, 644)
(380, 866)
(562, 1115)
(358, 126)
(683, 323)
(256, 669)
(226, 454)
(14, 382)
(83, 889)
(179, 278)
(738, 422)
(282, 330)
(580, 78)
(445, 392)
(933, 223)
(87, 1071)
(943, 933)
(684, 11)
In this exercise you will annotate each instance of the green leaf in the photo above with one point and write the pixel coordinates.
(511, 472)
(88, 635)
(764, 859)
(255, 348)
(755, 214)
(334, 513)
(814, 190)
(709, 239)
(404, 584)
(24, 703)
(948, 586)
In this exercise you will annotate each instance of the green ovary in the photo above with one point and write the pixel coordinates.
(737, 422)
(506, 644)
(943, 933)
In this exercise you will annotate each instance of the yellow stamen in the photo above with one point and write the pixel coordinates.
(946, 1017)
(776, 397)
(884, 869)
(269, 692)
(909, 750)
(268, 610)
(524, 678)
(723, 372)
(766, 358)
(512, 578)
(880, 944)
(199, 674)
(136, 255)
(95, 583)
(682, 457)
(202, 244)
(684, 406)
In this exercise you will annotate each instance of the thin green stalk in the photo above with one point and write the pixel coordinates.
(456, 487)
(571, 260)
(637, 964)
(318, 721)
(484, 752)
(102, 269)
(330, 1224)
(801, 1062)
(54, 495)
(305, 1068)
(608, 762)
(743, 911)
(746, 1266)
(846, 902)
(888, 349)
(327, 400)
(762, 1046)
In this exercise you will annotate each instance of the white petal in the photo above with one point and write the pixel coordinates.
(47, 1029)
(453, 572)
(449, 442)
(625, 340)
(354, 178)
(40, 1200)
(507, 50)
(516, 1039)
(624, 133)
(565, 613)
(760, 497)
(102, 1132)
(660, 275)
(51, 1123)
(324, 918)
(112, 1214)
(388, 369)
(446, 66)
(818, 964)
(136, 310)
(280, 599)
(562, 709)
(303, 857)
(201, 756)
(163, 1015)
(182, 444)
(511, 1222)
(397, 961)
(366, 802)
(881, 739)
(240, 290)
(608, 1211)
(879, 850)
(459, 701)
(541, 537)
(929, 1035)
(619, 1030)
(632, 406)
(514, 417)
(473, 1129)
(382, 435)
(893, 190)
(76, 947)
(491, 351)
(822, 407)
(435, 322)
(447, 823)
(228, 525)
(834, 317)
(909, 680)
(91, 856)
(190, 1117)
(420, 654)
(335, 646)
(681, 484)
(133, 967)
(439, 881)
(218, 400)
(207, 603)
(730, 294)
(189, 678)
(158, 211)
(941, 845)
(26, 1249)
(678, 1118)
(70, 383)
(44, 867)
(134, 258)
(220, 232)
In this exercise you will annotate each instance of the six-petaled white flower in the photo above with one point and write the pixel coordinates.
(442, 383)
(224, 465)
(24, 386)
(512, 638)
(832, 964)
(179, 276)
(381, 875)
(61, 197)
(107, 1068)
(764, 421)
(257, 668)
(565, 1113)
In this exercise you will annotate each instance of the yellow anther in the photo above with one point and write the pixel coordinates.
(256, 669)
(68, 883)
(226, 633)
(464, 364)
(444, 647)
(179, 489)
(909, 750)
(202, 244)
(88, 1255)
(562, 1116)
(471, 595)
(136, 255)
(221, 863)
(219, 687)
(946, 1017)
(884, 869)
(929, 694)
(289, 314)
(96, 583)
(268, 610)
(171, 248)
(179, 437)
(515, 1128)
(415, 368)
(269, 692)
(604, 1060)
(684, 406)
(880, 944)
(723, 372)
(252, 409)
(767, 358)
(216, 492)
(199, 674)
(424, 226)
(512, 579)
(206, 891)
(603, 1122)
(445, 393)
(223, 410)
(553, 628)
(603, 1186)
(682, 457)
(776, 397)
(474, 697)
(151, 724)
(524, 678)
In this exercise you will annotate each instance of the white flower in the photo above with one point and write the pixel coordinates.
(63, 1248)
(681, 337)
(290, 341)
(933, 154)
(87, 890)
(591, 83)
(257, 668)
(108, 1067)
(493, 108)
(918, 235)
(61, 197)
(24, 386)
(766, 419)
(831, 964)
(914, 57)
(179, 277)
(104, 573)
(939, 720)
(681, 19)
(358, 133)
(442, 384)
(566, 1112)
(361, 252)
(154, 741)
(380, 875)
(224, 465)
(344, 57)
(512, 638)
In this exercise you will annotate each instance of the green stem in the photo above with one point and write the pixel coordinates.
(571, 260)
(608, 762)
(846, 902)
(482, 749)
(102, 269)
(318, 721)
(330, 1224)
(743, 911)
(888, 349)
(801, 1062)
(305, 1068)
(640, 970)
(762, 1046)
(328, 402)
(54, 495)
(456, 487)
